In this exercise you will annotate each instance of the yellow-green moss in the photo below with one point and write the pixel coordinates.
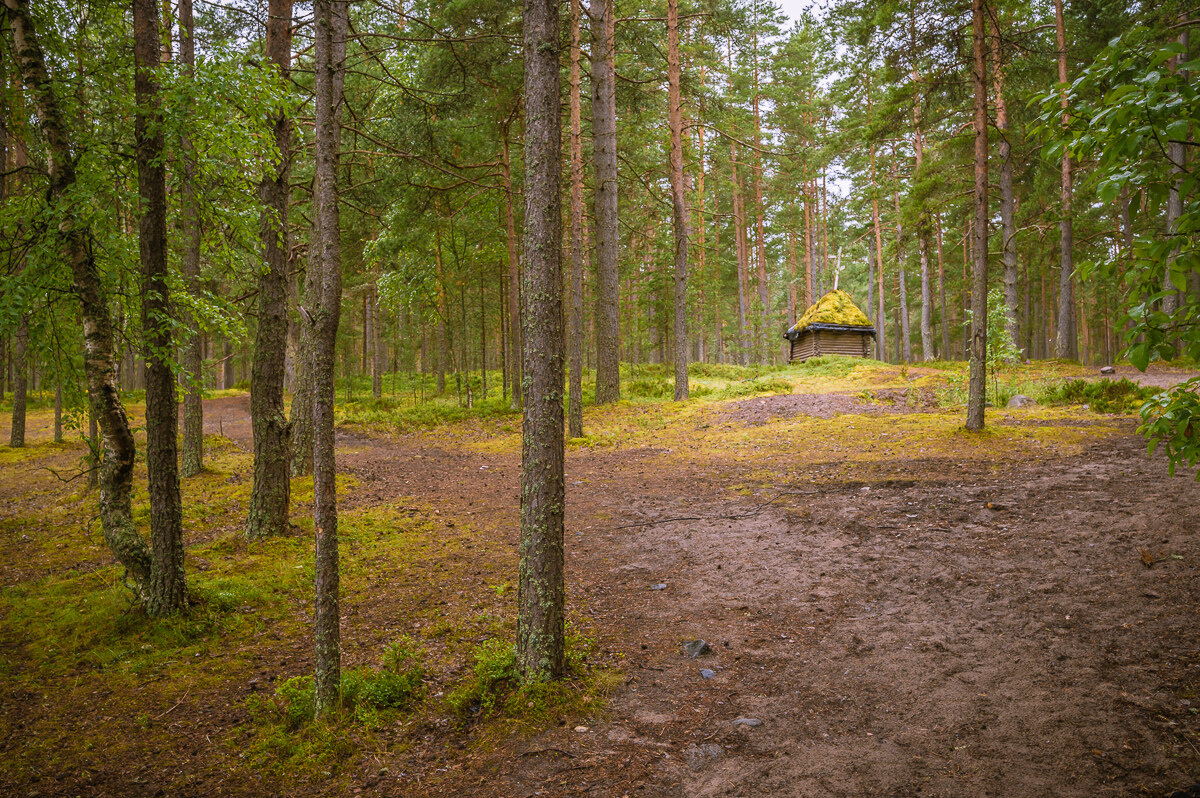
(836, 307)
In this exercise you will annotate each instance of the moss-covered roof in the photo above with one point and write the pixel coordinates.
(836, 307)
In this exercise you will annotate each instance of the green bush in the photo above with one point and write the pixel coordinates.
(396, 685)
(493, 676)
(1102, 396)
(751, 387)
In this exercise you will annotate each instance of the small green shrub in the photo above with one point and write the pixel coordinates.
(1102, 396)
(493, 687)
(493, 675)
(396, 685)
(752, 387)
(648, 389)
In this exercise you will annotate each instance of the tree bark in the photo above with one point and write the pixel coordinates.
(743, 265)
(944, 314)
(701, 254)
(443, 354)
(99, 362)
(679, 218)
(20, 349)
(58, 410)
(1065, 344)
(168, 588)
(330, 29)
(905, 348)
(604, 142)
(759, 214)
(378, 352)
(541, 590)
(575, 279)
(1007, 201)
(1177, 156)
(192, 455)
(271, 493)
(978, 366)
(514, 282)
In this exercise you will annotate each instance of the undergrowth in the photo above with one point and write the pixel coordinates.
(492, 688)
(288, 740)
(1102, 396)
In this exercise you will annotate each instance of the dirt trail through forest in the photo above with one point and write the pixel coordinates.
(1017, 623)
(972, 631)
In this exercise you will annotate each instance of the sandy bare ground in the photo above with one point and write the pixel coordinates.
(1027, 629)
(968, 632)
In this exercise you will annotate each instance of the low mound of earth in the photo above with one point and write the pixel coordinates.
(763, 409)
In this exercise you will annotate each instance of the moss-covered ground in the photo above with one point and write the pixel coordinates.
(98, 698)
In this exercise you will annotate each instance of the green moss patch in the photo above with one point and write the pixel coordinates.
(836, 307)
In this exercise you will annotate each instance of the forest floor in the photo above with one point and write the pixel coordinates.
(895, 607)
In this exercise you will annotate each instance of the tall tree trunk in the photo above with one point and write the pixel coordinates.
(679, 219)
(20, 350)
(58, 409)
(1007, 202)
(792, 298)
(759, 213)
(1065, 344)
(926, 294)
(808, 259)
(575, 278)
(330, 30)
(541, 590)
(378, 351)
(743, 257)
(922, 219)
(192, 456)
(978, 367)
(168, 587)
(271, 493)
(99, 356)
(881, 318)
(905, 348)
(603, 15)
(1177, 155)
(443, 345)
(944, 312)
(514, 280)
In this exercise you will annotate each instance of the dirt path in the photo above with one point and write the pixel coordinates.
(976, 633)
(1026, 629)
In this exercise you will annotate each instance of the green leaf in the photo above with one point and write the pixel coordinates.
(1139, 356)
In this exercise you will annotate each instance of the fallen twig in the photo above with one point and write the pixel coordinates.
(536, 751)
(177, 703)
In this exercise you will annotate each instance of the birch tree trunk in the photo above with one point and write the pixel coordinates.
(99, 356)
